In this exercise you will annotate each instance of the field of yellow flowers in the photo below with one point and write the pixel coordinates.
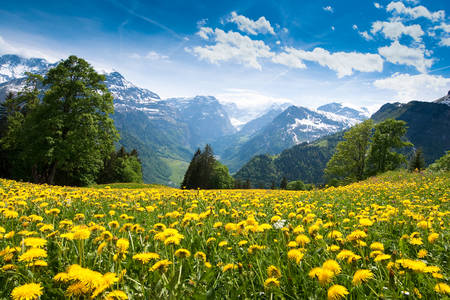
(386, 237)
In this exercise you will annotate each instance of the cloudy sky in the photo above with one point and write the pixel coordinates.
(250, 52)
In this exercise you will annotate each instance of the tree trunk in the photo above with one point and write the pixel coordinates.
(51, 176)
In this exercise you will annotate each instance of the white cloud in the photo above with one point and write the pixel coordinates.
(444, 27)
(151, 55)
(252, 27)
(343, 63)
(400, 54)
(415, 12)
(377, 5)
(332, 28)
(365, 35)
(443, 33)
(28, 52)
(394, 30)
(422, 87)
(246, 98)
(205, 32)
(234, 46)
(328, 8)
(202, 22)
(445, 42)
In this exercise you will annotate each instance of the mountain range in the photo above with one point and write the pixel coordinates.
(166, 132)
(428, 129)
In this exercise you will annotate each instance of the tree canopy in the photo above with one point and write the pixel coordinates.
(59, 128)
(348, 162)
(368, 150)
(206, 172)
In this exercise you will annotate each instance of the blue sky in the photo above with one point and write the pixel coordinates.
(248, 52)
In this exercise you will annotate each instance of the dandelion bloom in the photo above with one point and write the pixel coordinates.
(161, 265)
(32, 254)
(81, 234)
(122, 245)
(433, 237)
(146, 257)
(229, 267)
(337, 292)
(200, 255)
(377, 246)
(34, 242)
(27, 291)
(116, 295)
(296, 255)
(442, 288)
(274, 272)
(382, 257)
(422, 253)
(182, 253)
(323, 275)
(271, 282)
(365, 222)
(333, 266)
(361, 276)
(302, 240)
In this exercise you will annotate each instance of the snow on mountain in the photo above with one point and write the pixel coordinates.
(444, 100)
(304, 125)
(349, 111)
(14, 66)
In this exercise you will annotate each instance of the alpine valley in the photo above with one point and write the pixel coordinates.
(166, 132)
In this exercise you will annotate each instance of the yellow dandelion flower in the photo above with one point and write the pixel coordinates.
(302, 240)
(200, 255)
(242, 243)
(433, 237)
(27, 291)
(161, 265)
(333, 266)
(116, 295)
(295, 255)
(145, 257)
(122, 245)
(377, 246)
(442, 288)
(365, 222)
(229, 267)
(182, 253)
(271, 283)
(274, 272)
(337, 292)
(34, 242)
(361, 276)
(382, 257)
(223, 243)
(422, 253)
(32, 254)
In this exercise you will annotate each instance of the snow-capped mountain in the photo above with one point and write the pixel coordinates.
(358, 113)
(444, 100)
(14, 66)
(206, 118)
(166, 132)
(293, 126)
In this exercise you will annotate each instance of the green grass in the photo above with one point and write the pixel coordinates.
(177, 168)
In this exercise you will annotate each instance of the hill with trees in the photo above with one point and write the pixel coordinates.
(58, 129)
(428, 128)
(205, 172)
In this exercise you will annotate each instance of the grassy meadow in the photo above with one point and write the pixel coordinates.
(383, 238)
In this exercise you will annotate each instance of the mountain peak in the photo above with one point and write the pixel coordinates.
(444, 100)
